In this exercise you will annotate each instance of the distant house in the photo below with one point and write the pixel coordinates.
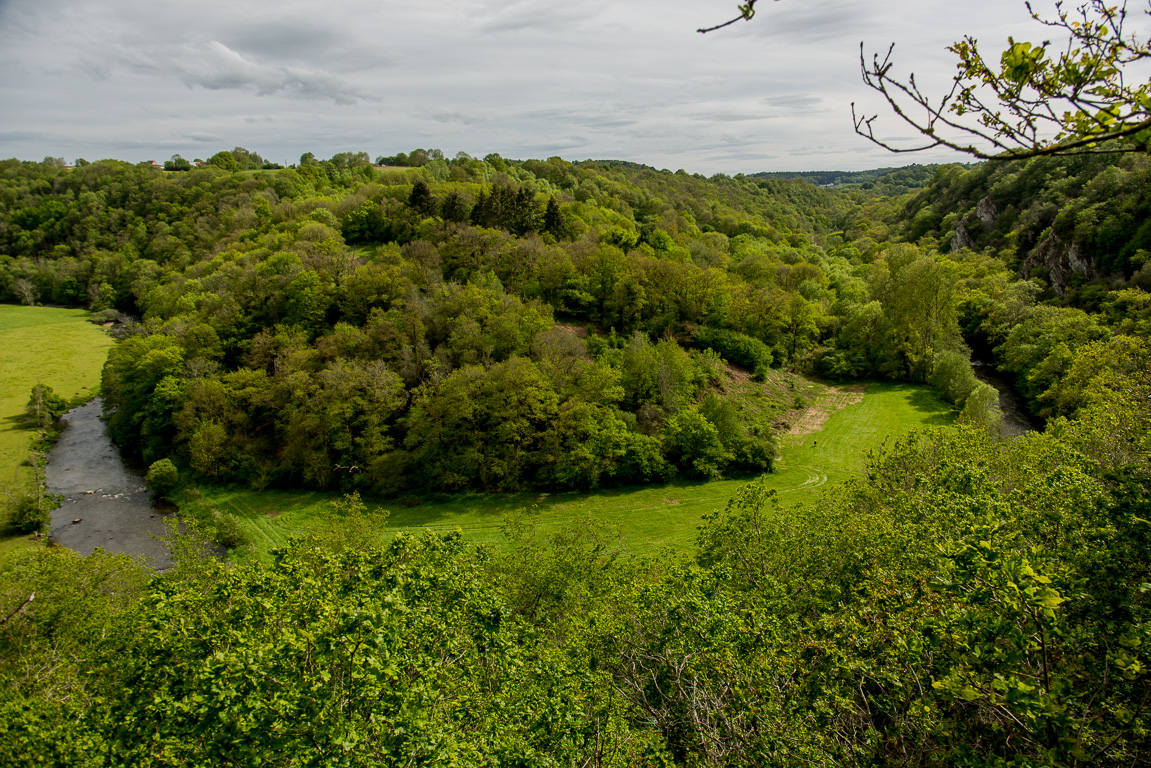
(154, 164)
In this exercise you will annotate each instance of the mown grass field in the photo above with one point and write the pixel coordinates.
(647, 518)
(58, 347)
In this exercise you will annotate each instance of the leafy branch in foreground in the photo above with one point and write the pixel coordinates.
(1034, 102)
(1085, 98)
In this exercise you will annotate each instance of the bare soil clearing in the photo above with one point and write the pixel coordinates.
(833, 400)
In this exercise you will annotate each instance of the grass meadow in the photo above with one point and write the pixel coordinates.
(55, 346)
(830, 443)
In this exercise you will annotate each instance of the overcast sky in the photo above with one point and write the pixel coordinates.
(624, 79)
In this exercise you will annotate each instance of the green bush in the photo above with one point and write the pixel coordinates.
(738, 348)
(229, 533)
(162, 478)
(30, 513)
(693, 444)
(104, 316)
(953, 377)
(981, 409)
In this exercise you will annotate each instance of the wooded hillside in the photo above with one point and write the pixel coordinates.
(466, 323)
(965, 600)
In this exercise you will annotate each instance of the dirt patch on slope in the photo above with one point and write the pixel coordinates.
(738, 375)
(572, 329)
(835, 399)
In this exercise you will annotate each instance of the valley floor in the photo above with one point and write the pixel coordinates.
(828, 444)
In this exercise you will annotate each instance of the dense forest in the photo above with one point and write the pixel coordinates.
(490, 324)
(467, 323)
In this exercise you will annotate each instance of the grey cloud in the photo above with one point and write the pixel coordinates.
(99, 65)
(305, 40)
(600, 121)
(586, 116)
(215, 66)
(449, 116)
(814, 22)
(580, 77)
(14, 68)
(20, 136)
(284, 39)
(22, 18)
(746, 159)
(818, 149)
(143, 146)
(727, 117)
(795, 101)
(548, 148)
(545, 114)
(93, 68)
(518, 15)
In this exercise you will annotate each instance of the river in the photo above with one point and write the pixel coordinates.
(105, 503)
(1016, 418)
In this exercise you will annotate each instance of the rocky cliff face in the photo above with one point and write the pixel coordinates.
(1060, 260)
(962, 238)
(986, 212)
(1054, 258)
(982, 216)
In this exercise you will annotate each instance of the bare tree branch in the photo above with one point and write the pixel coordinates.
(746, 11)
(19, 608)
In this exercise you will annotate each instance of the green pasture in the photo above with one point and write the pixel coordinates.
(646, 518)
(58, 347)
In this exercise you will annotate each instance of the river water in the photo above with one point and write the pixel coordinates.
(1016, 418)
(105, 503)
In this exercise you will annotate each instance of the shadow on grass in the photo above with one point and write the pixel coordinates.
(486, 509)
(15, 421)
(489, 509)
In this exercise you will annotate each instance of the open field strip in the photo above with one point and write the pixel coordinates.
(647, 517)
(55, 346)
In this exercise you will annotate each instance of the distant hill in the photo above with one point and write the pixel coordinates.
(907, 177)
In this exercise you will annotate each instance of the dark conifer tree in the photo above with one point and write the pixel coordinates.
(553, 222)
(522, 214)
(422, 200)
(482, 211)
(454, 207)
